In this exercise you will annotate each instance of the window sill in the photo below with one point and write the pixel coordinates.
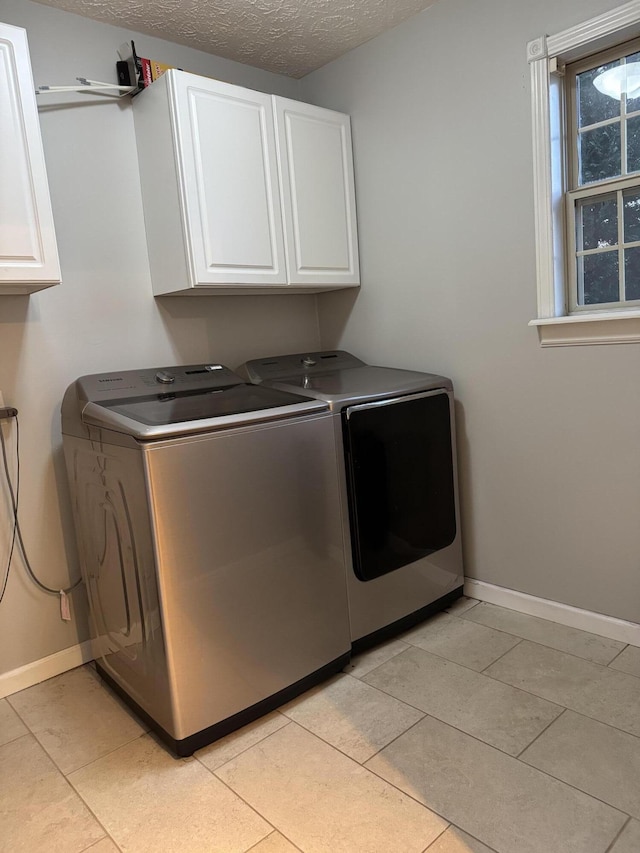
(605, 327)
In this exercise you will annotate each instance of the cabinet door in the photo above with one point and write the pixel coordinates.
(28, 252)
(226, 146)
(318, 195)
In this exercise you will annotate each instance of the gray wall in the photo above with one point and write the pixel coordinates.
(103, 316)
(549, 440)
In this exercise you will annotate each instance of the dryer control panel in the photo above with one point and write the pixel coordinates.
(300, 364)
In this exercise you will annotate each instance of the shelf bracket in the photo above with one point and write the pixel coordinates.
(111, 90)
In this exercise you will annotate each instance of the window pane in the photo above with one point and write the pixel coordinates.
(599, 224)
(600, 278)
(633, 104)
(600, 154)
(631, 216)
(632, 273)
(594, 106)
(633, 142)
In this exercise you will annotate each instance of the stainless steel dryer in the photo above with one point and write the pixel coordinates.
(209, 530)
(396, 434)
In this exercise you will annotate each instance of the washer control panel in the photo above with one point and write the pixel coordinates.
(156, 380)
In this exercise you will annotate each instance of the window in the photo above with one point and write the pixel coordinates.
(603, 197)
(586, 135)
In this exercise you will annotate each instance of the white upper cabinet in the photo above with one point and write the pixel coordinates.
(318, 195)
(209, 176)
(28, 251)
(231, 205)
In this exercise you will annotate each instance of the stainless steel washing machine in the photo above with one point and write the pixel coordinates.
(210, 540)
(396, 434)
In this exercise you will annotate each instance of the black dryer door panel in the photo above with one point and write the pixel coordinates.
(400, 479)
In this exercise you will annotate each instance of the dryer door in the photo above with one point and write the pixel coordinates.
(400, 477)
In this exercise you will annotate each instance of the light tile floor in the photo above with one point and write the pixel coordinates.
(480, 730)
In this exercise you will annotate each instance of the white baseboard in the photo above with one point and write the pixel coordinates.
(40, 670)
(554, 611)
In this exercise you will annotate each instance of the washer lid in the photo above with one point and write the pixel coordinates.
(362, 383)
(162, 402)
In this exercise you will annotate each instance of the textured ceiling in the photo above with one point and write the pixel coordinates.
(291, 37)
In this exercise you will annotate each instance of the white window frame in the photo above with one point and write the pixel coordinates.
(547, 57)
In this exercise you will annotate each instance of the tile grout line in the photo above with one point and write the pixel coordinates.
(274, 828)
(415, 707)
(564, 781)
(567, 707)
(17, 737)
(475, 838)
(539, 735)
(99, 841)
(73, 789)
(378, 751)
(255, 846)
(346, 754)
(587, 717)
(519, 640)
(152, 736)
(242, 751)
(464, 621)
(613, 843)
(571, 654)
(386, 781)
(415, 799)
(15, 710)
(496, 680)
(459, 663)
(515, 646)
(362, 766)
(403, 638)
(540, 643)
(524, 764)
(505, 683)
(578, 790)
(466, 609)
(394, 640)
(435, 840)
(99, 757)
(556, 649)
(509, 755)
(617, 656)
(362, 677)
(91, 812)
(475, 737)
(562, 625)
(113, 696)
(242, 799)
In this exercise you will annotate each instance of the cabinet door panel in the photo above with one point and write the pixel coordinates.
(318, 194)
(28, 253)
(232, 202)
